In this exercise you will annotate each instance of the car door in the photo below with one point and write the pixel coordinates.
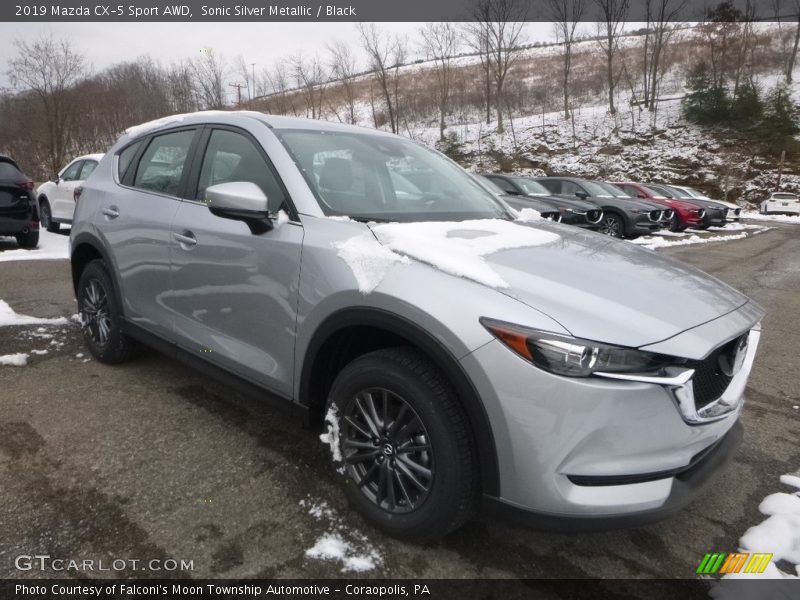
(234, 292)
(135, 221)
(62, 203)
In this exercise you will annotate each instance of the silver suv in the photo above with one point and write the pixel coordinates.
(458, 355)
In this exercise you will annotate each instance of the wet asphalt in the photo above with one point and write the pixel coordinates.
(152, 460)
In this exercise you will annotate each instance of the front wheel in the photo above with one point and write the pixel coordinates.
(613, 225)
(674, 224)
(101, 317)
(402, 444)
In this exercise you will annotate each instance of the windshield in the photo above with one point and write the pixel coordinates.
(380, 178)
(597, 190)
(667, 192)
(529, 186)
(613, 190)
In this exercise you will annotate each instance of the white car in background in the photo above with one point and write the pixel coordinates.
(56, 197)
(734, 211)
(781, 203)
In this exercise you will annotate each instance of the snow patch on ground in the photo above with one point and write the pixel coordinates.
(9, 317)
(52, 246)
(654, 242)
(20, 359)
(339, 543)
(331, 437)
(779, 534)
(795, 220)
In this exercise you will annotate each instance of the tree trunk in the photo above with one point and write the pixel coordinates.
(793, 57)
(567, 65)
(610, 74)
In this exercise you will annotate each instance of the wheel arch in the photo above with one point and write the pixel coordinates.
(84, 249)
(331, 348)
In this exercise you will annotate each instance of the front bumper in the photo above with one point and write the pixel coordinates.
(595, 448)
(643, 224)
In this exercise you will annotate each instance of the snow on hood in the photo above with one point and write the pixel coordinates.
(457, 248)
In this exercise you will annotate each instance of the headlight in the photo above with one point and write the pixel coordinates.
(574, 357)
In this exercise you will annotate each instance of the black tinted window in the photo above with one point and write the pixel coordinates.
(125, 158)
(553, 185)
(8, 171)
(161, 165)
(230, 157)
(504, 185)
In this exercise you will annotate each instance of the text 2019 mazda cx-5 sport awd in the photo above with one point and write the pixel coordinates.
(455, 357)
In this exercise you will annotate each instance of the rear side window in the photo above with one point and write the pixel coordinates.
(230, 157)
(71, 172)
(9, 171)
(124, 159)
(161, 166)
(88, 168)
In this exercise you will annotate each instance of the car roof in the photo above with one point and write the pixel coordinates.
(237, 116)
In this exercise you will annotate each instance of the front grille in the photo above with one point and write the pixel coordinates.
(709, 380)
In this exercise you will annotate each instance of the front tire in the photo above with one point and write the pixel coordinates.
(612, 225)
(404, 446)
(46, 217)
(675, 224)
(101, 316)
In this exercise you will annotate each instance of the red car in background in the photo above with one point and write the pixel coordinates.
(686, 214)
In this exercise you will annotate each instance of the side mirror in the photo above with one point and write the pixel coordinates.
(582, 195)
(55, 179)
(240, 201)
(640, 195)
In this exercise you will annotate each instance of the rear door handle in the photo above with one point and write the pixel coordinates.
(111, 212)
(185, 239)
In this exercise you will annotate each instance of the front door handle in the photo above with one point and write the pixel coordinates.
(185, 239)
(111, 212)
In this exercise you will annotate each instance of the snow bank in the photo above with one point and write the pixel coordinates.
(654, 242)
(9, 317)
(779, 534)
(457, 248)
(795, 220)
(20, 359)
(52, 246)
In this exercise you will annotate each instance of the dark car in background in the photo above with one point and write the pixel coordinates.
(685, 214)
(716, 214)
(520, 191)
(19, 213)
(547, 209)
(623, 217)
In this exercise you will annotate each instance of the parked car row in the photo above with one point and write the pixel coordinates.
(622, 209)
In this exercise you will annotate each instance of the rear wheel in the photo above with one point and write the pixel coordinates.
(46, 217)
(613, 225)
(28, 240)
(407, 458)
(101, 317)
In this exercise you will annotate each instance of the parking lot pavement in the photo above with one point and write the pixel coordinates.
(150, 460)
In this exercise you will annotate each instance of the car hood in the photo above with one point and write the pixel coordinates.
(610, 290)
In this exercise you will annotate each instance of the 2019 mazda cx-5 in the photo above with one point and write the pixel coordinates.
(456, 355)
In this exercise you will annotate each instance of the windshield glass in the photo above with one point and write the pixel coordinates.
(380, 178)
(613, 190)
(529, 186)
(667, 192)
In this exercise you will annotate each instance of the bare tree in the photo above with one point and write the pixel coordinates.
(242, 71)
(385, 58)
(793, 54)
(343, 69)
(209, 71)
(502, 21)
(277, 84)
(440, 43)
(478, 40)
(660, 16)
(48, 69)
(566, 14)
(613, 13)
(310, 78)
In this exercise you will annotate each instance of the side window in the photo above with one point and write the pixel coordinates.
(88, 168)
(553, 185)
(161, 166)
(569, 188)
(124, 159)
(504, 185)
(71, 174)
(630, 190)
(230, 157)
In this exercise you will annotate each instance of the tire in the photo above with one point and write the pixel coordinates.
(441, 438)
(612, 224)
(28, 240)
(101, 316)
(46, 217)
(675, 224)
